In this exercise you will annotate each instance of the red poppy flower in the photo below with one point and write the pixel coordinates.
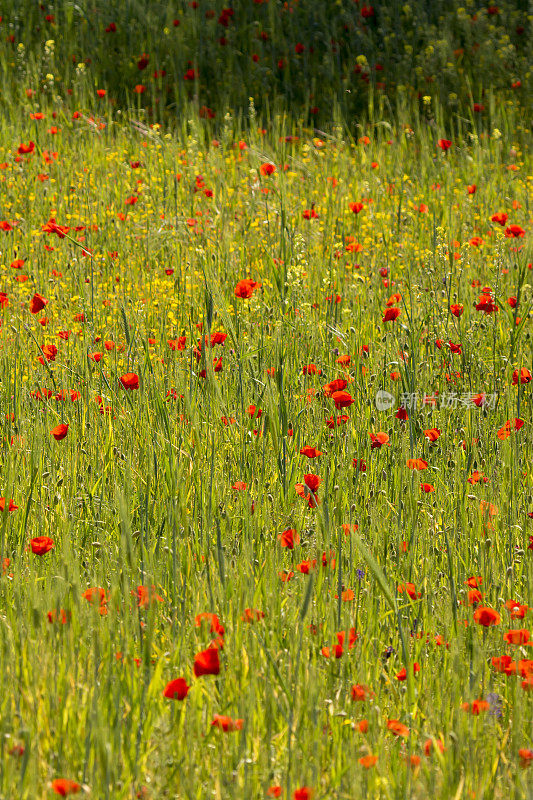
(517, 636)
(391, 314)
(347, 595)
(337, 385)
(64, 787)
(486, 616)
(130, 380)
(311, 369)
(368, 761)
(428, 746)
(41, 545)
(37, 303)
(474, 597)
(146, 596)
(252, 615)
(303, 793)
(526, 757)
(216, 627)
(342, 399)
(360, 693)
(312, 482)
(510, 425)
(501, 218)
(409, 589)
(333, 422)
(245, 288)
(486, 304)
(457, 309)
(207, 662)
(267, 169)
(476, 477)
(398, 728)
(305, 567)
(345, 361)
(59, 432)
(286, 576)
(310, 452)
(474, 582)
(338, 649)
(502, 663)
(488, 509)
(444, 144)
(378, 440)
(402, 674)
(393, 299)
(176, 689)
(217, 338)
(476, 708)
(417, 463)
(24, 149)
(96, 596)
(517, 610)
(289, 538)
(49, 351)
(10, 507)
(226, 723)
(63, 617)
(514, 232)
(524, 376)
(309, 489)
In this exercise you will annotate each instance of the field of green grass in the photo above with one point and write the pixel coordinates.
(266, 526)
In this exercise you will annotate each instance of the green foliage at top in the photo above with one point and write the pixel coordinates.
(307, 58)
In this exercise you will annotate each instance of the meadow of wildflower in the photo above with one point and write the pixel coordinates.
(266, 525)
